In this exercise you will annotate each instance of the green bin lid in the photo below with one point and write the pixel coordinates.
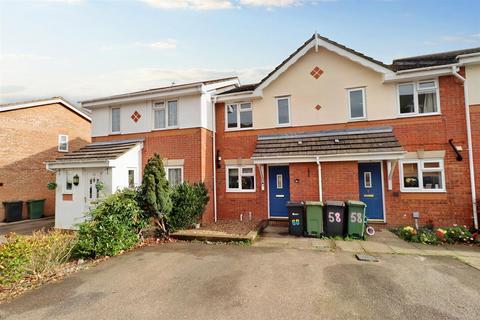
(314, 203)
(35, 200)
(356, 203)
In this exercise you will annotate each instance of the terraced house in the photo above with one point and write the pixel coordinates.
(328, 123)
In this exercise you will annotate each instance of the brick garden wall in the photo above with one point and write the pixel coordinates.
(29, 138)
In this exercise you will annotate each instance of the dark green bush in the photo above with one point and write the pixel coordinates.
(189, 202)
(155, 193)
(114, 225)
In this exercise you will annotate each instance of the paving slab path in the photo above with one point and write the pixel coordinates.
(383, 242)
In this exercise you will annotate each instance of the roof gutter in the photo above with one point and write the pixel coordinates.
(470, 145)
(135, 96)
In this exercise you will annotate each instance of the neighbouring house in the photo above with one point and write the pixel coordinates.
(175, 122)
(330, 123)
(32, 132)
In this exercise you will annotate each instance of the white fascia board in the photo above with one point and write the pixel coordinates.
(45, 102)
(161, 94)
(472, 58)
(418, 74)
(331, 158)
(72, 165)
(238, 97)
(216, 85)
(342, 52)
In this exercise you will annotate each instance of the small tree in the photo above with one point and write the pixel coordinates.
(155, 192)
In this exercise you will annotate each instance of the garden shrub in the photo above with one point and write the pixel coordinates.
(154, 194)
(189, 202)
(114, 225)
(452, 234)
(34, 255)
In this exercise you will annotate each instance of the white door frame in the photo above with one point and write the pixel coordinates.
(268, 187)
(384, 220)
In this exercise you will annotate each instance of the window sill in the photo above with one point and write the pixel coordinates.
(240, 191)
(412, 115)
(423, 191)
(163, 129)
(285, 125)
(357, 119)
(238, 129)
(63, 151)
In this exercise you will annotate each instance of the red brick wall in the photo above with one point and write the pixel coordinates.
(475, 124)
(193, 145)
(340, 180)
(306, 187)
(29, 138)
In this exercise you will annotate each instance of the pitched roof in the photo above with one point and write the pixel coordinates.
(332, 142)
(177, 86)
(99, 151)
(431, 60)
(85, 113)
(252, 87)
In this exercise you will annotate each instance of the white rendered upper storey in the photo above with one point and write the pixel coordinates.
(324, 82)
(174, 107)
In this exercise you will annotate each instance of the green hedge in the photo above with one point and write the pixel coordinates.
(114, 225)
(189, 202)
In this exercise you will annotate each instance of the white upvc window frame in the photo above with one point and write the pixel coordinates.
(119, 120)
(416, 92)
(421, 169)
(60, 142)
(165, 107)
(277, 99)
(168, 168)
(238, 105)
(364, 103)
(240, 175)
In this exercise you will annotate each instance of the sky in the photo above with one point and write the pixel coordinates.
(82, 49)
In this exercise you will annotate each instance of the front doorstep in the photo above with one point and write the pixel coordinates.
(208, 235)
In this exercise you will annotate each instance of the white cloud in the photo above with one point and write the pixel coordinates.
(77, 87)
(271, 3)
(472, 38)
(190, 4)
(164, 45)
(226, 4)
(21, 57)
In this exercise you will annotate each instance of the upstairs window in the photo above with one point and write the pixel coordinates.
(62, 143)
(165, 115)
(115, 119)
(239, 116)
(418, 97)
(283, 110)
(426, 175)
(356, 103)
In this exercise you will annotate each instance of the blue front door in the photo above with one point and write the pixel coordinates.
(279, 191)
(371, 189)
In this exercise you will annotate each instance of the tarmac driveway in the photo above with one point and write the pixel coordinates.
(198, 281)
